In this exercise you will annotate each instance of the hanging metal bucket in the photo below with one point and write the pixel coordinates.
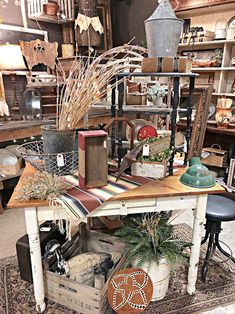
(163, 30)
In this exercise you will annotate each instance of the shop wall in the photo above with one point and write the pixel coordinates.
(128, 18)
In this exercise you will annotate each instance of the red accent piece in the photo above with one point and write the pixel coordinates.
(82, 182)
(146, 131)
(83, 134)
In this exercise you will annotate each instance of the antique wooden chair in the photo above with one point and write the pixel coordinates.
(40, 52)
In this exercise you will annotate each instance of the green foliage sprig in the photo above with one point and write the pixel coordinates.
(164, 154)
(42, 186)
(149, 237)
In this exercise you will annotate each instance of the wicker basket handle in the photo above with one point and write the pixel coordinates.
(212, 146)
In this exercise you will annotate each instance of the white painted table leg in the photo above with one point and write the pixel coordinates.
(35, 256)
(199, 217)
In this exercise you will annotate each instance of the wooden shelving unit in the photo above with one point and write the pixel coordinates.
(207, 17)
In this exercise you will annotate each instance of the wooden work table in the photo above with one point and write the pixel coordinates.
(167, 194)
(11, 130)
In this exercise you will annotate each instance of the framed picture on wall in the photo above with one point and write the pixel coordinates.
(231, 175)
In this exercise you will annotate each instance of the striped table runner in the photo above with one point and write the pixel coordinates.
(81, 202)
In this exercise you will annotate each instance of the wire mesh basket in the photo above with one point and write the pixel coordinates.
(57, 163)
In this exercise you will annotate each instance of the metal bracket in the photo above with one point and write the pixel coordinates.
(123, 208)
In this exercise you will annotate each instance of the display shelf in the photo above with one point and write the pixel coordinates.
(205, 44)
(209, 9)
(51, 19)
(223, 76)
(213, 69)
(224, 94)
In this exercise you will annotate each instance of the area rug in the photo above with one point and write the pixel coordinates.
(16, 295)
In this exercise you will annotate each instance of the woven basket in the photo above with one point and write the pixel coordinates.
(218, 157)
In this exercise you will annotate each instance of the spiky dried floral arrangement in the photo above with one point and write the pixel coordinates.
(87, 82)
(42, 186)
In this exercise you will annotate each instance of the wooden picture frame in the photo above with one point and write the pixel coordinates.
(200, 120)
(231, 175)
(2, 91)
(104, 13)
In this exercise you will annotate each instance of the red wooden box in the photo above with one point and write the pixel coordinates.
(93, 159)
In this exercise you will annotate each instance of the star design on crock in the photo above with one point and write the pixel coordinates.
(135, 290)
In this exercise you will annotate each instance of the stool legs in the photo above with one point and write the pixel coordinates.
(222, 250)
(205, 238)
(210, 249)
(213, 229)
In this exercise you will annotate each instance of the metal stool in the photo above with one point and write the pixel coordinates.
(218, 209)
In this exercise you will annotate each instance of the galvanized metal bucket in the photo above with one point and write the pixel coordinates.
(163, 30)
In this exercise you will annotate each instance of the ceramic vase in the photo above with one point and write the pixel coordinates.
(223, 117)
(158, 101)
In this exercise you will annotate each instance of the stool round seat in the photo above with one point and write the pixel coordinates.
(220, 208)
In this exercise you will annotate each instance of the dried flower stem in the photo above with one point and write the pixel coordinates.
(87, 82)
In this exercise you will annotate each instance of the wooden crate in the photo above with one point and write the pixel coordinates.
(218, 157)
(136, 99)
(79, 297)
(166, 64)
(93, 159)
(36, 12)
(155, 170)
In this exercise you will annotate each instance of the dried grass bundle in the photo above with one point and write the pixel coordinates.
(87, 82)
(42, 186)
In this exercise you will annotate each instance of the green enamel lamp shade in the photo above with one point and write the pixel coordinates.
(197, 175)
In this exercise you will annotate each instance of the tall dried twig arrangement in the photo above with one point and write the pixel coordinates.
(87, 82)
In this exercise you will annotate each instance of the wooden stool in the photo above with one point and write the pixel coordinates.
(218, 209)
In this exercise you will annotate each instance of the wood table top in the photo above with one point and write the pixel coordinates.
(14, 202)
(166, 187)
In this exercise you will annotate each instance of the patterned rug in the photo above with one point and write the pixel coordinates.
(16, 295)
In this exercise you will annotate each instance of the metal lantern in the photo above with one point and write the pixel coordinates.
(163, 30)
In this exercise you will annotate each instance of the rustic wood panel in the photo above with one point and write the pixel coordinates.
(128, 20)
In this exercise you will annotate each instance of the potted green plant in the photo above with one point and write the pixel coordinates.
(156, 93)
(152, 246)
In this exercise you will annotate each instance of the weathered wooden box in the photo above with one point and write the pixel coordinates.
(216, 157)
(79, 297)
(93, 159)
(155, 170)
